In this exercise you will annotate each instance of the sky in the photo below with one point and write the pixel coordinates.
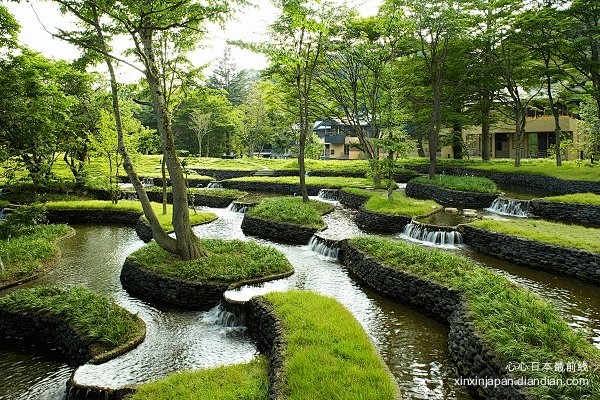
(39, 19)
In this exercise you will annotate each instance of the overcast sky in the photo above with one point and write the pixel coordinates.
(37, 17)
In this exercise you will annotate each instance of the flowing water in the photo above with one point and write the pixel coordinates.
(413, 346)
(511, 207)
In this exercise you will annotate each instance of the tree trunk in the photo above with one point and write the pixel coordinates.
(187, 244)
(555, 114)
(164, 185)
(485, 127)
(520, 128)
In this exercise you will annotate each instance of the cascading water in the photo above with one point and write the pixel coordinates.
(220, 316)
(3, 215)
(214, 185)
(437, 236)
(239, 207)
(324, 247)
(148, 182)
(512, 207)
(329, 194)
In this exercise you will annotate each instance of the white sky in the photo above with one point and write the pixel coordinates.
(250, 26)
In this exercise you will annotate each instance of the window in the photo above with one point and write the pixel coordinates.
(346, 149)
(332, 152)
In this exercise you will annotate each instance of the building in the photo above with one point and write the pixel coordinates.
(340, 139)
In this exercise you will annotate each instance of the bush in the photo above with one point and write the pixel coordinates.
(22, 221)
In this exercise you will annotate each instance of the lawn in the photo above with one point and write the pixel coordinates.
(292, 210)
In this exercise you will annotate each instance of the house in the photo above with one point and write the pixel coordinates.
(340, 139)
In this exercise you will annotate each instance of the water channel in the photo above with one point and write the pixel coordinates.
(412, 345)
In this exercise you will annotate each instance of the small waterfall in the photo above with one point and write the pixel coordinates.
(329, 194)
(3, 215)
(438, 236)
(239, 207)
(147, 182)
(220, 316)
(131, 196)
(214, 185)
(512, 207)
(401, 186)
(325, 247)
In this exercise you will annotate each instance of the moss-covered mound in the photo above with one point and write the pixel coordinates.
(577, 198)
(27, 256)
(245, 381)
(461, 183)
(229, 261)
(325, 353)
(517, 325)
(574, 236)
(292, 210)
(94, 321)
(400, 204)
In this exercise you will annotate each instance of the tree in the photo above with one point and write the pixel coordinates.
(9, 29)
(200, 123)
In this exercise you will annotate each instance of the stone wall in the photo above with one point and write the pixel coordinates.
(378, 222)
(548, 184)
(470, 352)
(547, 257)
(149, 285)
(93, 216)
(449, 198)
(352, 200)
(199, 199)
(290, 189)
(568, 212)
(280, 232)
(220, 174)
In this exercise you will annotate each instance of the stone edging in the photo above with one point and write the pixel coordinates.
(585, 214)
(281, 232)
(447, 197)
(274, 187)
(199, 199)
(37, 326)
(379, 222)
(472, 355)
(566, 261)
(352, 200)
(93, 216)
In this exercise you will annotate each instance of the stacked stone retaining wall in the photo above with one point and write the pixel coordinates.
(277, 231)
(93, 216)
(378, 222)
(567, 212)
(290, 189)
(353, 200)
(449, 198)
(562, 260)
(470, 352)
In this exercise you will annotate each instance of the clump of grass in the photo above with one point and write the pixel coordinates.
(228, 261)
(327, 354)
(400, 205)
(95, 317)
(462, 183)
(165, 220)
(518, 325)
(578, 198)
(4, 203)
(245, 381)
(548, 232)
(27, 256)
(292, 210)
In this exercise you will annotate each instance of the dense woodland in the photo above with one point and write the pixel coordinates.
(415, 73)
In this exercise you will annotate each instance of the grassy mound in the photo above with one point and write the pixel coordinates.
(462, 183)
(548, 232)
(229, 193)
(229, 261)
(400, 205)
(577, 198)
(27, 256)
(96, 318)
(518, 325)
(322, 182)
(292, 210)
(130, 206)
(327, 353)
(246, 381)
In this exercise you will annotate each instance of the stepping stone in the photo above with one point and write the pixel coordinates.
(451, 210)
(467, 212)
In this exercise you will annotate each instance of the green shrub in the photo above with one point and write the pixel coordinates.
(462, 183)
(22, 221)
(292, 210)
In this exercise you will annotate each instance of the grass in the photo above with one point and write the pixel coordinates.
(578, 198)
(228, 261)
(244, 382)
(230, 193)
(95, 317)
(27, 256)
(462, 183)
(518, 325)
(130, 206)
(327, 353)
(548, 232)
(322, 182)
(400, 205)
(4, 203)
(292, 210)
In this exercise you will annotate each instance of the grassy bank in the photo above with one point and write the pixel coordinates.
(548, 232)
(519, 326)
(399, 205)
(327, 353)
(96, 318)
(229, 261)
(318, 181)
(229, 193)
(462, 183)
(245, 381)
(292, 210)
(26, 256)
(196, 218)
(577, 198)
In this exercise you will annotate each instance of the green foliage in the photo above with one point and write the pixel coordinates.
(578, 198)
(292, 210)
(327, 353)
(28, 255)
(399, 205)
(463, 183)
(228, 262)
(22, 221)
(244, 381)
(518, 326)
(589, 126)
(95, 317)
(574, 236)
